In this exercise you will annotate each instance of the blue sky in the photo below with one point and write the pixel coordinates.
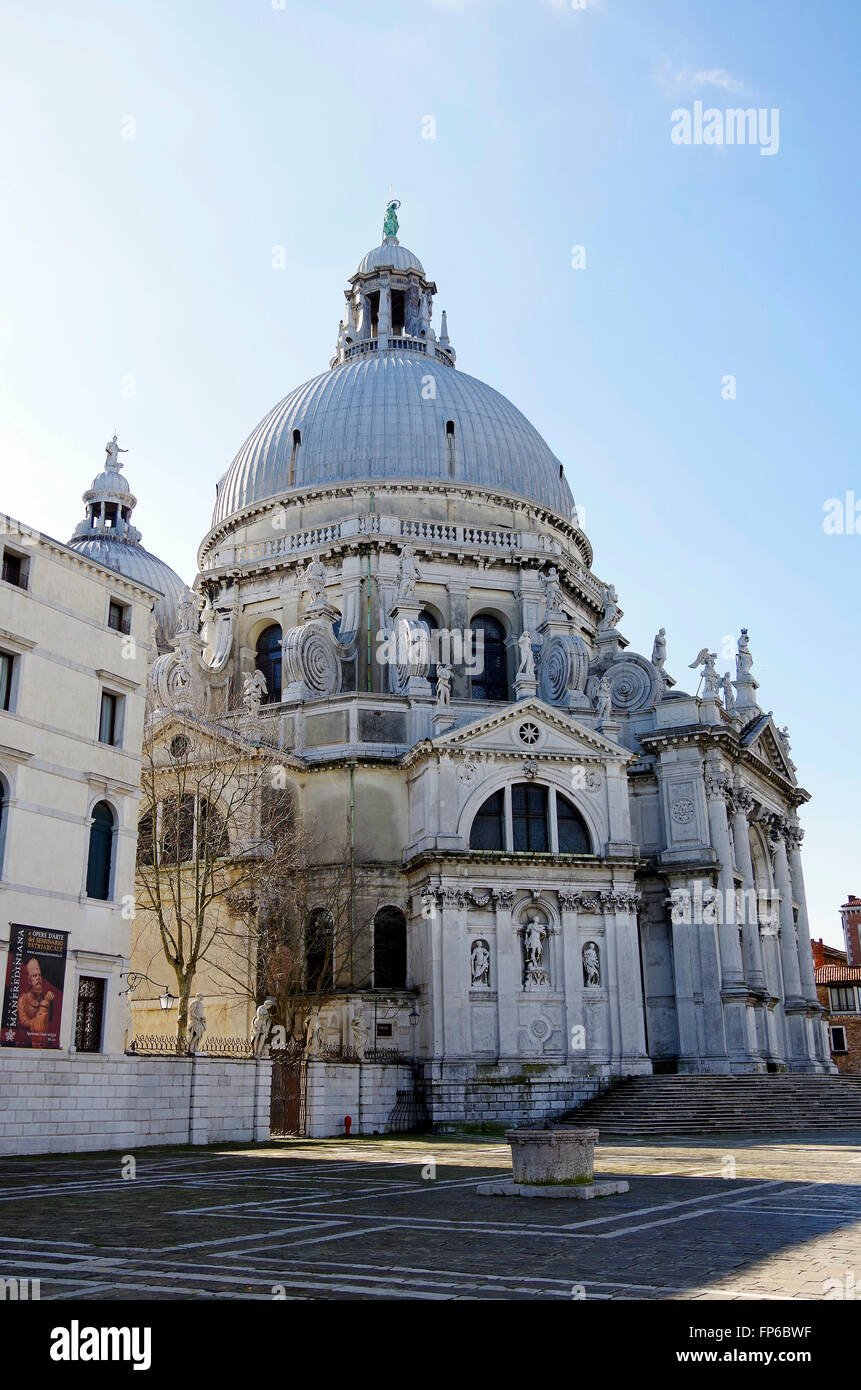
(144, 265)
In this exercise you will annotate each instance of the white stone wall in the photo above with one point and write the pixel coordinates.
(367, 1093)
(504, 1095)
(72, 1104)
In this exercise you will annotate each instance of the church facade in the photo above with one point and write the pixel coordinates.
(567, 868)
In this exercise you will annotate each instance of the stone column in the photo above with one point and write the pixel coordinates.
(742, 807)
(731, 964)
(572, 975)
(508, 972)
(458, 621)
(795, 1006)
(628, 983)
(794, 836)
(455, 971)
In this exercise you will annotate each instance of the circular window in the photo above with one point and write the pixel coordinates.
(179, 747)
(529, 733)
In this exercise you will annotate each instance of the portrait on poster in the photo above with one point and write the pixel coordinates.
(33, 996)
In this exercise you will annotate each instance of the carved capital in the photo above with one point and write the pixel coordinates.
(503, 897)
(717, 785)
(744, 800)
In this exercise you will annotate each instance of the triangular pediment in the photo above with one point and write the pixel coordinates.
(763, 740)
(209, 737)
(530, 726)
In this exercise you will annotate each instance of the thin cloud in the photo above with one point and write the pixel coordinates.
(694, 79)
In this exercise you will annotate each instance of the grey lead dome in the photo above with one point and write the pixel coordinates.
(392, 407)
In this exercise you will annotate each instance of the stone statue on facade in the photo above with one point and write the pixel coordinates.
(358, 1034)
(783, 735)
(113, 461)
(253, 692)
(187, 611)
(390, 222)
(479, 961)
(604, 700)
(196, 1023)
(591, 965)
(552, 592)
(526, 669)
(612, 611)
(443, 684)
(743, 660)
(534, 934)
(408, 574)
(261, 1027)
(315, 579)
(728, 693)
(708, 674)
(313, 1033)
(659, 649)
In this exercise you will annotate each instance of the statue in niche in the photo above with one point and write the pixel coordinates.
(253, 692)
(358, 1034)
(604, 699)
(659, 649)
(591, 965)
(313, 1033)
(408, 574)
(315, 580)
(196, 1023)
(479, 962)
(534, 935)
(526, 669)
(443, 684)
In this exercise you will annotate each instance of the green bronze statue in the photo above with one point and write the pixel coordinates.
(390, 224)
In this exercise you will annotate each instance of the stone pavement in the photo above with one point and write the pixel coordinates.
(752, 1218)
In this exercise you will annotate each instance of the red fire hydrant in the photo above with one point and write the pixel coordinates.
(348, 1120)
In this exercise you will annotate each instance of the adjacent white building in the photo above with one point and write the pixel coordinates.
(75, 641)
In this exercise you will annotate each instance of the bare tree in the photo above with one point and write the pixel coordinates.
(211, 834)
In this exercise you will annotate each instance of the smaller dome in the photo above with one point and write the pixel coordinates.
(389, 256)
(112, 481)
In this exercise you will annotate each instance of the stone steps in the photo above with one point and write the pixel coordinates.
(676, 1105)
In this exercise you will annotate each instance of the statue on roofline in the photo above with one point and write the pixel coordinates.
(390, 223)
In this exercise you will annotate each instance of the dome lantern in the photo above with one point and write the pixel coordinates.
(107, 536)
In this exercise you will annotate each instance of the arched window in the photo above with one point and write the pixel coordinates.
(4, 815)
(491, 681)
(449, 439)
(319, 948)
(534, 828)
(99, 859)
(571, 829)
(529, 818)
(211, 839)
(390, 949)
(177, 829)
(268, 660)
(488, 828)
(146, 839)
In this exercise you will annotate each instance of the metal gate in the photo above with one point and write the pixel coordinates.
(287, 1106)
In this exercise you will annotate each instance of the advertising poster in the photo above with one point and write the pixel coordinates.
(33, 996)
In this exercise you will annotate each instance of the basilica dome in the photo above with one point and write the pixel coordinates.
(392, 407)
(107, 536)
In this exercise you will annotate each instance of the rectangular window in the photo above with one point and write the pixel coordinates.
(842, 999)
(88, 1018)
(119, 615)
(529, 815)
(108, 717)
(7, 666)
(838, 1040)
(14, 569)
